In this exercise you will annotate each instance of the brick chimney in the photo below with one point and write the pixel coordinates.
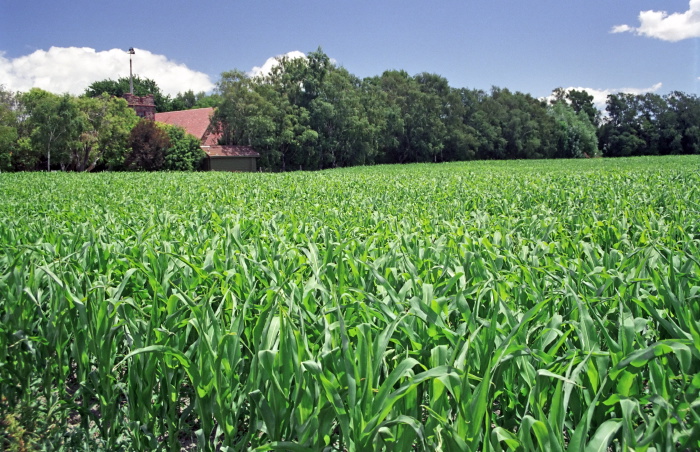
(144, 106)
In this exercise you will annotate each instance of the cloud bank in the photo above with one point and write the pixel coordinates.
(72, 69)
(600, 96)
(667, 27)
(272, 62)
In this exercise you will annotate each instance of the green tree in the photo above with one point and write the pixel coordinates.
(207, 100)
(576, 135)
(295, 137)
(184, 101)
(685, 109)
(481, 135)
(24, 156)
(619, 136)
(268, 113)
(106, 125)
(419, 133)
(289, 88)
(142, 87)
(582, 101)
(55, 124)
(8, 128)
(246, 116)
(650, 124)
(184, 153)
(189, 100)
(516, 125)
(341, 122)
(461, 141)
(579, 100)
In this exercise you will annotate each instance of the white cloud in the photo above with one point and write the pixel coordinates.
(621, 29)
(600, 96)
(72, 69)
(274, 61)
(667, 27)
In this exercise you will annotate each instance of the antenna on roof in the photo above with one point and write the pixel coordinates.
(131, 75)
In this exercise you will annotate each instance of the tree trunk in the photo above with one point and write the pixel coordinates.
(92, 166)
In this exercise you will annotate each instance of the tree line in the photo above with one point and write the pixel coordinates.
(308, 113)
(311, 114)
(40, 130)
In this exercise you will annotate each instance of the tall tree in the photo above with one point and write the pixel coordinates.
(462, 140)
(619, 136)
(518, 125)
(686, 109)
(338, 116)
(380, 118)
(55, 124)
(189, 100)
(420, 134)
(579, 100)
(8, 128)
(184, 101)
(576, 135)
(106, 124)
(246, 116)
(142, 87)
(288, 90)
(582, 101)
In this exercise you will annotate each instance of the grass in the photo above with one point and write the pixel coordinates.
(550, 305)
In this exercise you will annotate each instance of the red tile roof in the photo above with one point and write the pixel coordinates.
(230, 151)
(196, 122)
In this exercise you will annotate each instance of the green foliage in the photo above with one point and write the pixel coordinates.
(189, 100)
(262, 115)
(516, 125)
(73, 133)
(417, 101)
(142, 87)
(55, 125)
(8, 127)
(24, 156)
(106, 125)
(581, 102)
(308, 113)
(184, 152)
(650, 124)
(14, 437)
(529, 305)
(577, 135)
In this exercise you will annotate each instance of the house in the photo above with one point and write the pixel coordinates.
(197, 122)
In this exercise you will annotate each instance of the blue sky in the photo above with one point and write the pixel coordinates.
(531, 46)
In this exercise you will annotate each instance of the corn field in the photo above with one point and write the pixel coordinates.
(540, 305)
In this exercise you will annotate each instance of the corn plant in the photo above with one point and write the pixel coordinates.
(540, 305)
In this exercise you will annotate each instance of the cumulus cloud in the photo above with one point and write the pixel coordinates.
(72, 69)
(600, 96)
(667, 27)
(274, 61)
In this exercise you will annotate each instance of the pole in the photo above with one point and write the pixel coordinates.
(131, 75)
